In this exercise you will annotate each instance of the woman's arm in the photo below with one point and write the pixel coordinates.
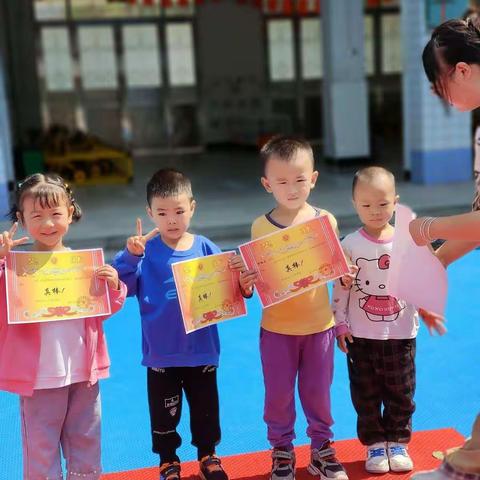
(454, 249)
(465, 227)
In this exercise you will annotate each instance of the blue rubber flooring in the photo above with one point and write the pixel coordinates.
(448, 390)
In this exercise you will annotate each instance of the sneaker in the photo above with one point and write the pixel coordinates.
(399, 458)
(211, 468)
(324, 463)
(170, 471)
(377, 459)
(283, 464)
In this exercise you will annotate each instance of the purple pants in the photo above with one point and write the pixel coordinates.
(311, 358)
(66, 417)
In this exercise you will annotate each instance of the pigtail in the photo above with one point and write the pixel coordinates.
(77, 211)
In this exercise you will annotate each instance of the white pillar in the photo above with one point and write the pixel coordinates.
(437, 139)
(345, 91)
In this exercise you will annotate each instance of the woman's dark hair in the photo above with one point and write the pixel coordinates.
(451, 42)
(48, 189)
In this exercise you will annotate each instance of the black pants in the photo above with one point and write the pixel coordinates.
(165, 392)
(382, 372)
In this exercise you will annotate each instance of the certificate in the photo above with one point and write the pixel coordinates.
(49, 286)
(208, 291)
(294, 260)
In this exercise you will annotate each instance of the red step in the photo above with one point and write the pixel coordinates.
(256, 466)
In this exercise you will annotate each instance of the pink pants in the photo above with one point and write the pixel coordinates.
(66, 417)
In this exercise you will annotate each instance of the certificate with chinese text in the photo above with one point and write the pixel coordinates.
(294, 260)
(208, 291)
(48, 286)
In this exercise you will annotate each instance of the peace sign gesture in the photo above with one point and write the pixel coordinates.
(7, 242)
(136, 244)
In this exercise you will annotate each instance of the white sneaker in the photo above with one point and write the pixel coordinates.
(377, 460)
(399, 458)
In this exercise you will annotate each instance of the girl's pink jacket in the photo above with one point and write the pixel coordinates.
(20, 345)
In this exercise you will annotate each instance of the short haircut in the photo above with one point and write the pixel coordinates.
(168, 182)
(284, 147)
(370, 174)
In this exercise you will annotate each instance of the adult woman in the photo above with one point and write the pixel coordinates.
(452, 63)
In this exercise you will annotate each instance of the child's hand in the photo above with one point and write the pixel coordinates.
(347, 280)
(247, 281)
(7, 242)
(236, 263)
(342, 341)
(136, 244)
(109, 274)
(433, 321)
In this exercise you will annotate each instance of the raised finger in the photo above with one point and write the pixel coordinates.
(139, 227)
(20, 241)
(150, 235)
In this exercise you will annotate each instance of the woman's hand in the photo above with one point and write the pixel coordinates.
(415, 228)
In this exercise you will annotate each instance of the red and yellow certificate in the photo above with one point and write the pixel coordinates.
(48, 286)
(294, 260)
(208, 291)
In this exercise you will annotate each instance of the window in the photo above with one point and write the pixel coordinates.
(180, 54)
(49, 9)
(142, 58)
(369, 45)
(280, 50)
(57, 62)
(311, 41)
(97, 58)
(391, 43)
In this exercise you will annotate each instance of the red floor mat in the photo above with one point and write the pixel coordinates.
(256, 466)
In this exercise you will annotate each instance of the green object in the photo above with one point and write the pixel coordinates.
(32, 162)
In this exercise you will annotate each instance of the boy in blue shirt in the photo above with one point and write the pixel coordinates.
(176, 362)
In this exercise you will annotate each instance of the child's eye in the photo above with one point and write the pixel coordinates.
(180, 212)
(301, 180)
(365, 206)
(161, 214)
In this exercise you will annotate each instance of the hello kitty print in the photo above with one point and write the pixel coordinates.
(367, 309)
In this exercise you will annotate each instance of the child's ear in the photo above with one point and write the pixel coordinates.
(193, 205)
(397, 198)
(71, 209)
(149, 212)
(266, 185)
(314, 179)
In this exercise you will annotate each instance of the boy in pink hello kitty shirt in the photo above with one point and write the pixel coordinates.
(376, 330)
